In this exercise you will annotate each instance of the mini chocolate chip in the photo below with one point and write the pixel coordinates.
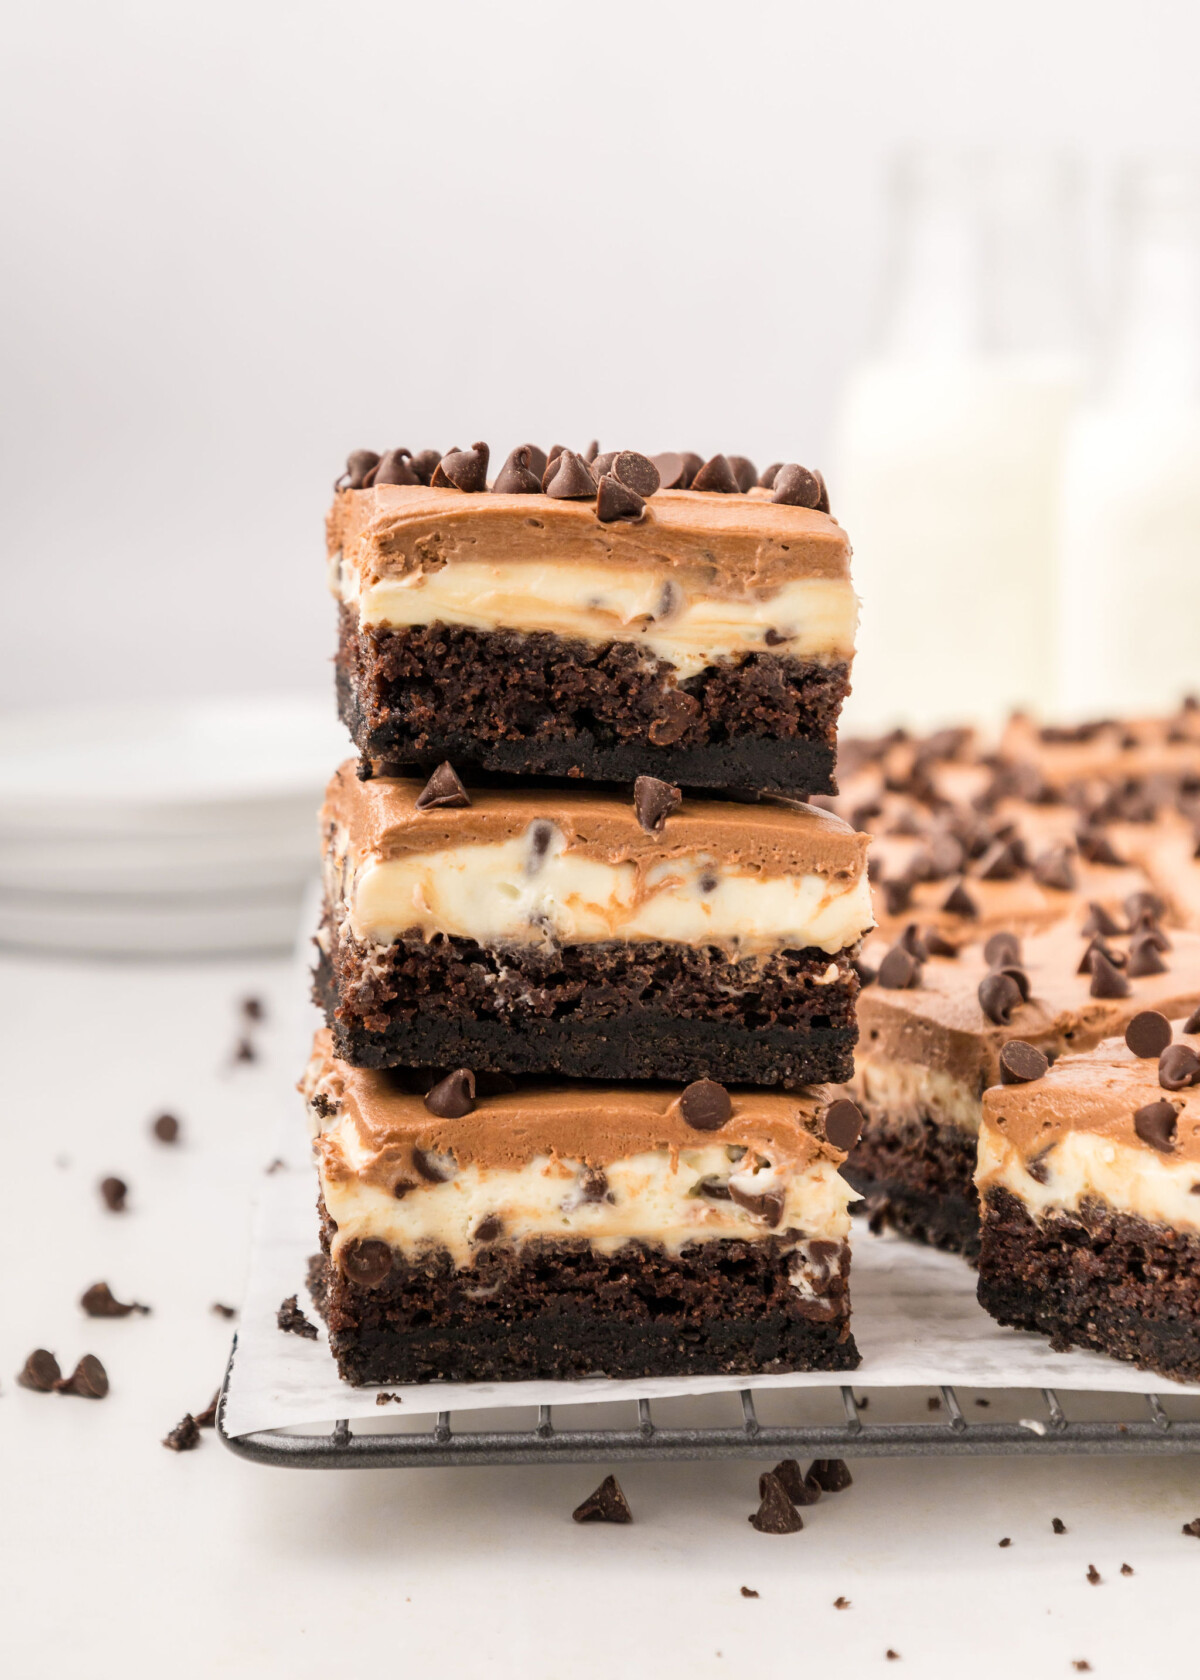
(1100, 922)
(1037, 1167)
(366, 1262)
(716, 1189)
(489, 1228)
(998, 996)
(607, 1505)
(244, 1051)
(767, 476)
(776, 1514)
(636, 472)
(939, 947)
(653, 802)
(358, 464)
(40, 1371)
(671, 470)
(568, 479)
(443, 791)
(1056, 870)
(463, 469)
(715, 476)
(99, 1302)
(705, 1105)
(166, 1128)
(1000, 862)
(830, 1474)
(401, 1188)
(795, 486)
(185, 1436)
(1021, 1062)
(1148, 1034)
(899, 970)
(517, 476)
(1178, 1067)
(1106, 981)
(843, 1124)
(959, 902)
(767, 1205)
(1155, 1124)
(394, 468)
(616, 501)
(1193, 1527)
(1144, 958)
(432, 1168)
(1001, 950)
(89, 1380)
(772, 638)
(453, 1096)
(424, 464)
(744, 471)
(114, 1191)
(795, 1484)
(291, 1318)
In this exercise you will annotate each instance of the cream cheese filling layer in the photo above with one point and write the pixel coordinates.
(807, 618)
(904, 1091)
(648, 1197)
(532, 890)
(1081, 1165)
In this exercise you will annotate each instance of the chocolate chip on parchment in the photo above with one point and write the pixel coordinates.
(1106, 981)
(843, 1124)
(671, 470)
(490, 1227)
(568, 478)
(113, 1191)
(913, 943)
(959, 902)
(799, 1489)
(1055, 869)
(899, 970)
(98, 1301)
(359, 463)
(1020, 1062)
(40, 1371)
(744, 471)
(1005, 1542)
(715, 476)
(795, 486)
(1144, 957)
(463, 469)
(748, 1592)
(1144, 904)
(395, 468)
(636, 472)
(616, 501)
(517, 476)
(89, 1380)
(292, 1319)
(1001, 950)
(453, 1096)
(653, 802)
(1096, 847)
(776, 1514)
(185, 1436)
(366, 1262)
(897, 896)
(443, 791)
(607, 1505)
(166, 1128)
(1148, 1034)
(999, 994)
(705, 1105)
(830, 1474)
(1155, 1124)
(1178, 1067)
(767, 476)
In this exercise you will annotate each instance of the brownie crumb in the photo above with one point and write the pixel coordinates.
(254, 1009)
(40, 1371)
(983, 1402)
(89, 1379)
(1126, 1569)
(606, 1505)
(1005, 1542)
(830, 1474)
(776, 1514)
(1093, 1575)
(184, 1436)
(1193, 1527)
(166, 1128)
(1058, 1525)
(841, 1603)
(207, 1419)
(749, 1592)
(862, 1402)
(277, 1165)
(1081, 1665)
(99, 1302)
(113, 1192)
(291, 1318)
(933, 1404)
(222, 1311)
(386, 1399)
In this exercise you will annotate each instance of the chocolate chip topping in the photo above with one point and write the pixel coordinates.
(823, 504)
(795, 486)
(568, 479)
(1106, 981)
(671, 469)
(366, 1262)
(958, 902)
(1116, 958)
(913, 943)
(1021, 1062)
(691, 466)
(603, 463)
(1001, 862)
(443, 790)
(799, 1489)
(1001, 950)
(608, 1505)
(715, 476)
(615, 501)
(1144, 957)
(290, 1318)
(776, 1514)
(89, 1380)
(1155, 1124)
(1098, 921)
(114, 1191)
(831, 1475)
(1178, 1067)
(1056, 870)
(999, 994)
(1141, 905)
(517, 476)
(592, 450)
(843, 1124)
(463, 469)
(359, 463)
(744, 471)
(40, 1371)
(767, 477)
(1148, 1034)
(394, 468)
(98, 1301)
(899, 970)
(653, 802)
(636, 472)
(1096, 847)
(1192, 1024)
(939, 947)
(424, 464)
(705, 1105)
(453, 1096)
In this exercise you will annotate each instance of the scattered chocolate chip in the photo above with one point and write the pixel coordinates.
(607, 1505)
(185, 1436)
(1144, 958)
(166, 1128)
(671, 470)
(1056, 870)
(1178, 1067)
(1155, 1124)
(691, 466)
(1099, 921)
(999, 994)
(100, 1302)
(1193, 1527)
(744, 471)
(89, 1380)
(616, 501)
(463, 469)
(716, 476)
(1001, 950)
(1145, 927)
(366, 1262)
(443, 791)
(395, 468)
(40, 1371)
(1019, 975)
(568, 479)
(799, 1489)
(899, 970)
(1144, 904)
(517, 476)
(1058, 1525)
(1005, 1542)
(453, 1096)
(1093, 1575)
(592, 450)
(222, 1311)
(841, 1603)
(291, 1318)
(1106, 981)
(795, 486)
(768, 475)
(1020, 1062)
(113, 1192)
(748, 1592)
(359, 463)
(1095, 846)
(705, 1105)
(490, 1227)
(843, 1124)
(254, 1009)
(653, 802)
(636, 472)
(960, 903)
(1148, 1034)
(830, 1474)
(776, 1514)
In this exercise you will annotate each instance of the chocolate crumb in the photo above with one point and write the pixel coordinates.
(453, 1096)
(166, 1128)
(1005, 1542)
(290, 1318)
(1148, 1034)
(1081, 1665)
(653, 802)
(607, 1505)
(933, 1404)
(89, 1379)
(1058, 1525)
(207, 1419)
(1193, 1527)
(1093, 1575)
(705, 1105)
(185, 1436)
(794, 1483)
(892, 1656)
(830, 1474)
(98, 1301)
(386, 1399)
(776, 1514)
(748, 1592)
(113, 1192)
(1126, 1569)
(222, 1311)
(840, 1603)
(443, 791)
(1020, 1063)
(40, 1372)
(980, 1402)
(277, 1165)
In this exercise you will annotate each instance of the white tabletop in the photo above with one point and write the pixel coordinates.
(125, 1559)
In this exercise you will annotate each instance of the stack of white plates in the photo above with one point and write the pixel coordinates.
(162, 830)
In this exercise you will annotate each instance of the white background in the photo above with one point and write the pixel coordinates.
(242, 237)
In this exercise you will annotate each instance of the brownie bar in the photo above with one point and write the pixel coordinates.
(919, 1178)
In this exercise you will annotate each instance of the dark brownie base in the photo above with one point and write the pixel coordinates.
(918, 1179)
(561, 1309)
(1102, 1280)
(610, 1011)
(539, 704)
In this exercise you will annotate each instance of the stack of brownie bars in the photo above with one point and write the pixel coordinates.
(587, 961)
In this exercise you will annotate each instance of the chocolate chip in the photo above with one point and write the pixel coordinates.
(830, 1475)
(424, 464)
(1148, 1034)
(1126, 1569)
(841, 1603)
(185, 1436)
(1000, 862)
(490, 1227)
(744, 471)
(1100, 922)
(1155, 1124)
(1021, 1062)
(568, 479)
(959, 902)
(40, 1371)
(166, 1128)
(1001, 950)
(291, 1318)
(358, 464)
(244, 1051)
(999, 994)
(1058, 1525)
(592, 450)
(843, 1124)
(653, 802)
(603, 463)
(114, 1191)
(913, 943)
(517, 476)
(1095, 846)
(1144, 958)
(748, 1592)
(636, 472)
(897, 896)
(463, 469)
(394, 468)
(795, 486)
(616, 501)
(1116, 958)
(99, 1302)
(792, 1479)
(1056, 870)
(443, 791)
(1106, 982)
(671, 470)
(1192, 1024)
(1193, 1527)
(767, 476)
(1145, 927)
(1019, 975)
(767, 1205)
(89, 1380)
(1178, 1067)
(593, 1186)
(608, 1505)
(715, 476)
(1005, 1542)
(453, 1096)
(1146, 905)
(899, 970)
(867, 975)
(939, 947)
(776, 1514)
(692, 464)
(1093, 1575)
(705, 1105)
(366, 1262)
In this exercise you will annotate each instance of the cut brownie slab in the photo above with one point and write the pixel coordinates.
(1089, 1178)
(706, 638)
(569, 1231)
(531, 931)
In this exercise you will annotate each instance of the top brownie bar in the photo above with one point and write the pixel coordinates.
(602, 619)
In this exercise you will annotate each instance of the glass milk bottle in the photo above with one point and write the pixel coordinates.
(947, 457)
(1130, 566)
